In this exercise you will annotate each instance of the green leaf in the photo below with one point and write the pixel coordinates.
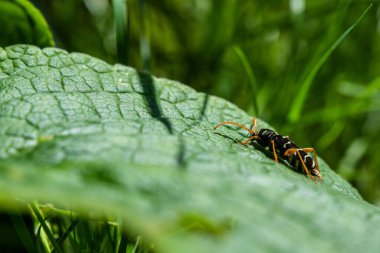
(21, 22)
(102, 139)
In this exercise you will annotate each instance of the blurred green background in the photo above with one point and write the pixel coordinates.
(257, 55)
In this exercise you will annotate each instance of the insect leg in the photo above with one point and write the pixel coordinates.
(290, 151)
(254, 125)
(252, 132)
(304, 166)
(274, 151)
(296, 150)
(315, 157)
(249, 139)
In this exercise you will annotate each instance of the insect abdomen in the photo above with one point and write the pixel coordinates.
(295, 161)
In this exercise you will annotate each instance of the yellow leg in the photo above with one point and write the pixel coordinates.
(296, 150)
(254, 125)
(315, 157)
(274, 151)
(249, 139)
(304, 166)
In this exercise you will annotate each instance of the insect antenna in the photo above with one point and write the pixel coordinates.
(236, 124)
(252, 132)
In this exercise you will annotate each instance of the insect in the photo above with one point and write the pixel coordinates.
(282, 146)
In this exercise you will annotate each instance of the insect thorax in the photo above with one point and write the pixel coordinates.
(266, 135)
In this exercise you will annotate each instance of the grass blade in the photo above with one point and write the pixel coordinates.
(251, 78)
(67, 232)
(22, 231)
(120, 8)
(45, 228)
(299, 102)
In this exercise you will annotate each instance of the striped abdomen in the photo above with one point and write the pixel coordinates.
(282, 144)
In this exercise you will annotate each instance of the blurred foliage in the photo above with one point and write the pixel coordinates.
(195, 42)
(21, 22)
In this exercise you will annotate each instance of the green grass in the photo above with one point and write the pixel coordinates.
(58, 230)
(300, 100)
